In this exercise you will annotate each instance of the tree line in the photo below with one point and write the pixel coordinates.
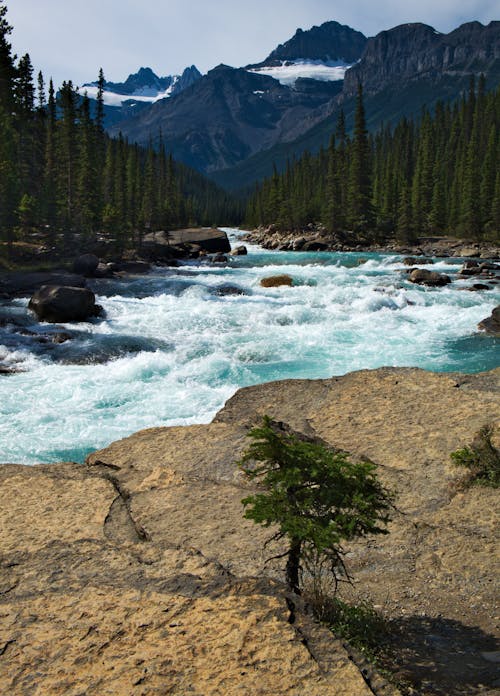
(61, 175)
(439, 175)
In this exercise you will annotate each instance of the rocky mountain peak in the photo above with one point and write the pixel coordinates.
(330, 41)
(416, 51)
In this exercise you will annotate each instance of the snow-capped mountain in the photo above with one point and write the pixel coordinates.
(143, 86)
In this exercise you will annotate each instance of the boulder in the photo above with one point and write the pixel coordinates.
(218, 258)
(414, 261)
(55, 303)
(86, 265)
(314, 245)
(210, 239)
(478, 286)
(468, 252)
(421, 276)
(298, 244)
(239, 251)
(492, 323)
(276, 281)
(227, 289)
(134, 267)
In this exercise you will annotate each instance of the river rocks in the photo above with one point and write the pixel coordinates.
(227, 290)
(492, 323)
(86, 265)
(56, 304)
(218, 258)
(314, 245)
(239, 251)
(477, 287)
(414, 261)
(133, 267)
(276, 281)
(421, 276)
(210, 239)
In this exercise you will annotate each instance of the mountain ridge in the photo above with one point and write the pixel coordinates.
(223, 120)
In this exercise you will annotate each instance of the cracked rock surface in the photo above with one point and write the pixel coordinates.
(137, 574)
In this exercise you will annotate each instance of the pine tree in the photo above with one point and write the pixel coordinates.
(360, 213)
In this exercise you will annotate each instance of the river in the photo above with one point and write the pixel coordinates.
(171, 350)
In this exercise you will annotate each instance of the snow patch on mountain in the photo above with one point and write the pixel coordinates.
(290, 71)
(145, 94)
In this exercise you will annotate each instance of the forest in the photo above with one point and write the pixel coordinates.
(62, 179)
(437, 176)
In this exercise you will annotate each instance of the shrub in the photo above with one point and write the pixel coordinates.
(482, 459)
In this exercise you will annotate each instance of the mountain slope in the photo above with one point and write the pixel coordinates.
(230, 114)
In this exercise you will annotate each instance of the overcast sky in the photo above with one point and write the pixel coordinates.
(71, 39)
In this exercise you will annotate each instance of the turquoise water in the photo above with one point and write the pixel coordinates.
(171, 351)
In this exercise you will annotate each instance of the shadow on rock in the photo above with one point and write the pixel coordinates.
(442, 656)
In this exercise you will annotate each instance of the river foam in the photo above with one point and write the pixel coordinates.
(172, 350)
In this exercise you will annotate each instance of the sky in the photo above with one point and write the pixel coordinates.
(72, 39)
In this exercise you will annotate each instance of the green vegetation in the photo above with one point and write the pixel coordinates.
(316, 498)
(437, 176)
(482, 459)
(64, 182)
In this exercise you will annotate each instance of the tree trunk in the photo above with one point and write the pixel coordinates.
(293, 565)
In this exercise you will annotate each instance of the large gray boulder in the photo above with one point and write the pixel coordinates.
(55, 303)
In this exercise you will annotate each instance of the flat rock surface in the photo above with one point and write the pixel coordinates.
(136, 573)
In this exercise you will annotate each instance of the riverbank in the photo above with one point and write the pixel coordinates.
(44, 266)
(136, 572)
(317, 239)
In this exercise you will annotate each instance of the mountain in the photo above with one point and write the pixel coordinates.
(143, 86)
(401, 70)
(234, 123)
(230, 114)
(123, 100)
(415, 52)
(329, 42)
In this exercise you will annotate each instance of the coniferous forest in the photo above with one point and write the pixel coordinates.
(438, 176)
(63, 178)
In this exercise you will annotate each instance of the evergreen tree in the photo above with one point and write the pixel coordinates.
(360, 213)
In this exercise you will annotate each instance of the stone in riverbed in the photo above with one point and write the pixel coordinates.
(276, 281)
(54, 304)
(492, 323)
(421, 276)
(227, 289)
(86, 265)
(239, 251)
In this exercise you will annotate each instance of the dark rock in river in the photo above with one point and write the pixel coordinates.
(133, 267)
(421, 276)
(478, 286)
(218, 258)
(86, 265)
(239, 251)
(228, 289)
(492, 323)
(54, 303)
(314, 245)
